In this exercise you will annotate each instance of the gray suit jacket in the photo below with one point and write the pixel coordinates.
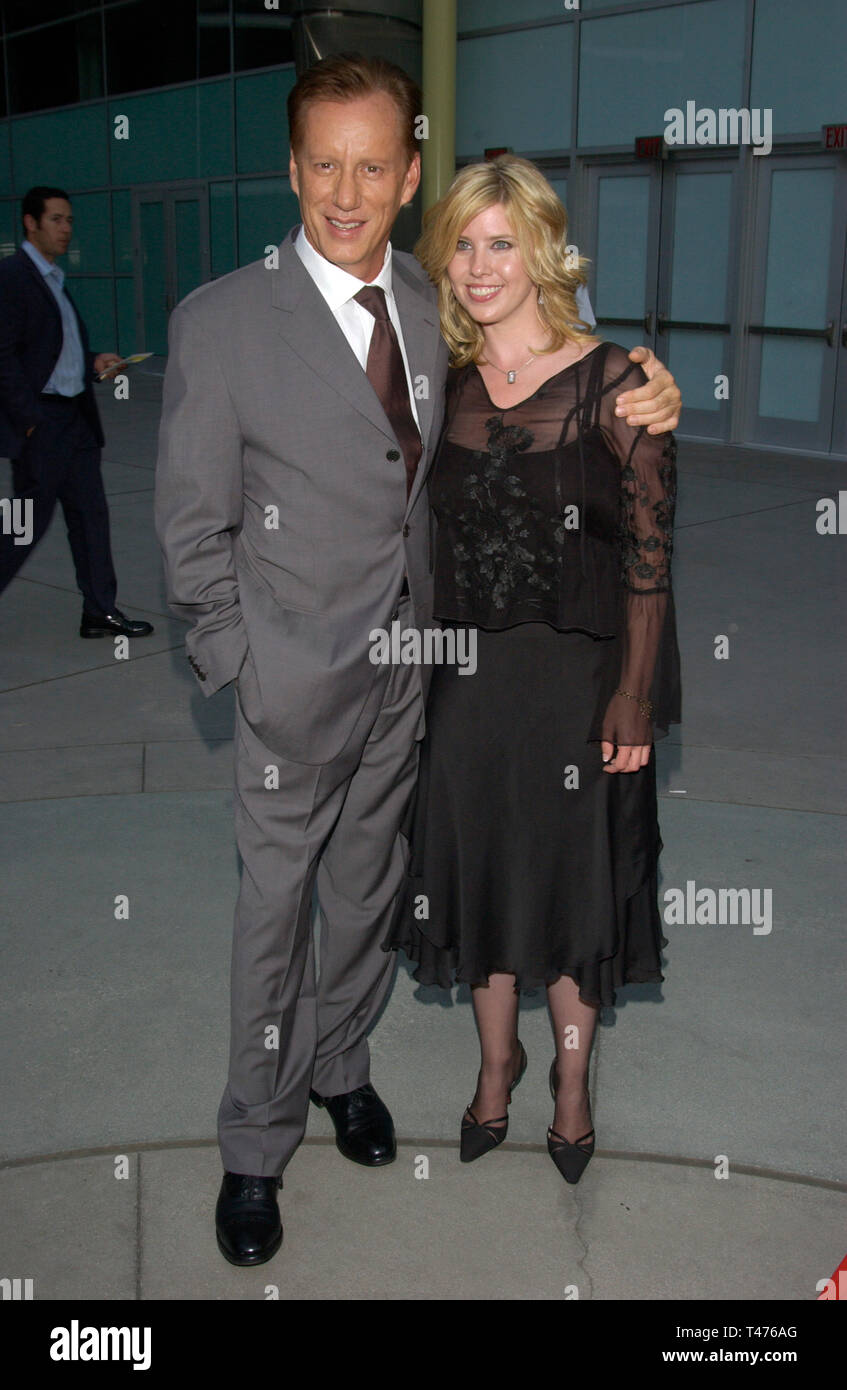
(284, 526)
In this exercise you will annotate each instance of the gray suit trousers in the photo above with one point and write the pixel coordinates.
(334, 827)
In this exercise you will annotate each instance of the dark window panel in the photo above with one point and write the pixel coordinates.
(22, 14)
(57, 66)
(262, 37)
(151, 43)
(213, 56)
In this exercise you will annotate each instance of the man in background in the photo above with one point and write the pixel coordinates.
(49, 423)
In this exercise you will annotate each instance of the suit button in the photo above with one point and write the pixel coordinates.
(392, 455)
(405, 531)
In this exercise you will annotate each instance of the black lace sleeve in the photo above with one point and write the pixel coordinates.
(649, 669)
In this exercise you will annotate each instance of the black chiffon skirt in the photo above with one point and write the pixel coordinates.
(525, 857)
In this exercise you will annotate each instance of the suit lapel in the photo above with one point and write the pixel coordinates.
(421, 335)
(309, 327)
(33, 270)
(419, 319)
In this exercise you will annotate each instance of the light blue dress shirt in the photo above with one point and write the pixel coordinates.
(68, 375)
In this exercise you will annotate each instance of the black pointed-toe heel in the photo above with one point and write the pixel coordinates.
(571, 1159)
(478, 1138)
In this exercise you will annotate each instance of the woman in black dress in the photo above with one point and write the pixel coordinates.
(535, 837)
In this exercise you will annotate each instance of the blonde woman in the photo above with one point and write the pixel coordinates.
(535, 837)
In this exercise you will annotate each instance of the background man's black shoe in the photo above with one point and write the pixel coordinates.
(104, 624)
(364, 1129)
(247, 1220)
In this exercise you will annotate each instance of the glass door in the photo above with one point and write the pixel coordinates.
(171, 244)
(622, 238)
(697, 288)
(661, 242)
(796, 332)
(151, 271)
(839, 427)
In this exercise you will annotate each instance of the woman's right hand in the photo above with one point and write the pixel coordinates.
(630, 757)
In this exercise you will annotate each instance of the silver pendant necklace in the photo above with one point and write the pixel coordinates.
(510, 375)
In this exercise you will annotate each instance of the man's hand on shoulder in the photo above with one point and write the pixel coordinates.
(656, 404)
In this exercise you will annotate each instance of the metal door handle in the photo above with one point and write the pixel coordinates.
(646, 323)
(664, 324)
(767, 329)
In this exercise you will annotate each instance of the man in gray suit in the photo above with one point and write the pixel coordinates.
(302, 404)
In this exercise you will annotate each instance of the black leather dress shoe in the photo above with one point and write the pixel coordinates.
(364, 1129)
(247, 1220)
(103, 624)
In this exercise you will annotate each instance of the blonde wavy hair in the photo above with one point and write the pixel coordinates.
(540, 226)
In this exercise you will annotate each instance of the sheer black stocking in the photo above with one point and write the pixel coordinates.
(573, 1028)
(496, 1011)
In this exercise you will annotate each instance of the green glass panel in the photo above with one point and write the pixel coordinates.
(182, 134)
(5, 158)
(222, 227)
(262, 123)
(798, 63)
(152, 223)
(65, 148)
(695, 358)
(267, 208)
(634, 67)
(515, 90)
(482, 14)
(125, 296)
(90, 251)
(189, 272)
(623, 209)
(214, 125)
(122, 230)
(790, 380)
(95, 301)
(702, 222)
(560, 188)
(162, 139)
(798, 248)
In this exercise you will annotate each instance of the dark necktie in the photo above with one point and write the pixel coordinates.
(387, 375)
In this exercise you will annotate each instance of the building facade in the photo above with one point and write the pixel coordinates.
(686, 138)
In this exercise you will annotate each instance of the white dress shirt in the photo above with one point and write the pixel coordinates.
(68, 376)
(583, 306)
(356, 323)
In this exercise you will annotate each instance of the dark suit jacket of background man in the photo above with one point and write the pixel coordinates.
(30, 343)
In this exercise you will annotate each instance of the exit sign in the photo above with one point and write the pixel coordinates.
(834, 137)
(650, 147)
(494, 150)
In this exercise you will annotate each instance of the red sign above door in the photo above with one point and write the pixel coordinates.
(834, 137)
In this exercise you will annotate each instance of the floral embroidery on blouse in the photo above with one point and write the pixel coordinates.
(647, 544)
(495, 560)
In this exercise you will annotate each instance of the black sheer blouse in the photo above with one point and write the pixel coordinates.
(555, 510)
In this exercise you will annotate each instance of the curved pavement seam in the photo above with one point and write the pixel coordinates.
(508, 1146)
